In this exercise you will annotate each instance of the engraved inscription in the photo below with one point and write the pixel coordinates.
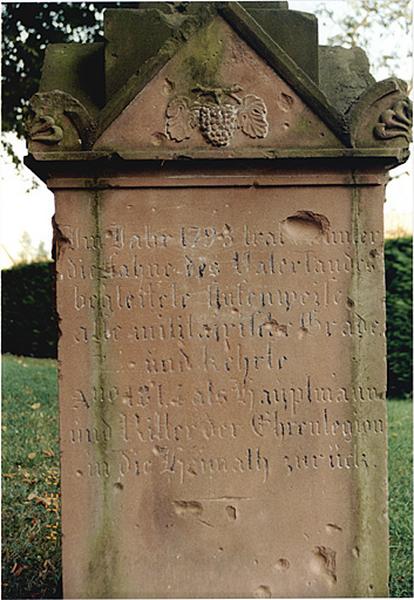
(220, 344)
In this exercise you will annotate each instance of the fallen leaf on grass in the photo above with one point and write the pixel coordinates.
(35, 406)
(9, 475)
(31, 455)
(47, 564)
(27, 478)
(39, 500)
(17, 569)
(48, 453)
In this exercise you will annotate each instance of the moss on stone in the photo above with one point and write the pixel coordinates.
(132, 37)
(202, 57)
(80, 73)
(103, 566)
(296, 32)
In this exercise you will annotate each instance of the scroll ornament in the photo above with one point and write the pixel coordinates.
(395, 121)
(218, 113)
(45, 130)
(44, 122)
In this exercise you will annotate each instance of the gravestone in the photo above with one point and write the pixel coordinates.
(219, 183)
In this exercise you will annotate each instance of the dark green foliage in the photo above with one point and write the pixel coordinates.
(27, 28)
(29, 322)
(398, 273)
(29, 325)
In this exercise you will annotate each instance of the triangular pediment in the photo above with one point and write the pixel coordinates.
(213, 80)
(220, 94)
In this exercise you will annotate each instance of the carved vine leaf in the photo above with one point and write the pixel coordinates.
(395, 121)
(252, 117)
(179, 119)
(217, 112)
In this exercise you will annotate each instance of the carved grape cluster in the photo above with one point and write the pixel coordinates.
(217, 119)
(218, 123)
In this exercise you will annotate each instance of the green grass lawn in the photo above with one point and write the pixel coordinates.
(30, 450)
(30, 518)
(400, 477)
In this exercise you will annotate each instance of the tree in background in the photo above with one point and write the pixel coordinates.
(27, 29)
(29, 253)
(26, 249)
(371, 23)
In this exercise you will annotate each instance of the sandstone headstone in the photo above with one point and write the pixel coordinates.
(220, 291)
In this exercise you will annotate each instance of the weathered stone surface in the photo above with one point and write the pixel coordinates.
(296, 32)
(265, 6)
(383, 115)
(220, 292)
(80, 73)
(222, 365)
(57, 119)
(343, 75)
(132, 37)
